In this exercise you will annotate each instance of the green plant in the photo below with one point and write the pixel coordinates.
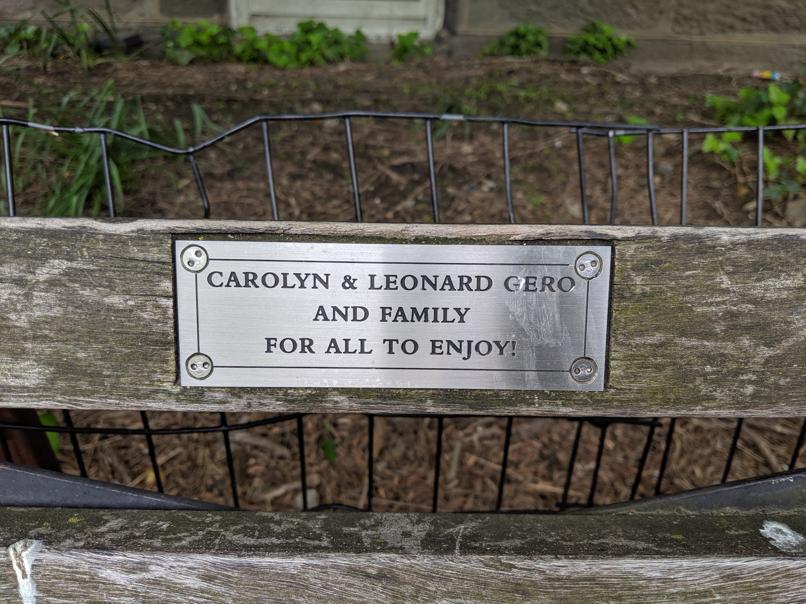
(778, 103)
(599, 42)
(47, 418)
(523, 41)
(65, 170)
(409, 46)
(634, 120)
(71, 31)
(312, 43)
(202, 39)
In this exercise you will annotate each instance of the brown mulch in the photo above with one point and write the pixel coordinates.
(312, 182)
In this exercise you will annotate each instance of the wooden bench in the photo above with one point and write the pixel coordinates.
(703, 322)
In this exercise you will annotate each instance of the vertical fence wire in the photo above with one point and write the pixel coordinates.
(437, 462)
(639, 473)
(348, 133)
(152, 451)
(734, 443)
(611, 154)
(264, 129)
(760, 178)
(650, 177)
(664, 461)
(502, 477)
(432, 173)
(233, 479)
(583, 180)
(507, 173)
(110, 194)
(197, 176)
(8, 170)
(684, 176)
(303, 475)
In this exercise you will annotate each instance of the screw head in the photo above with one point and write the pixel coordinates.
(588, 265)
(583, 370)
(199, 366)
(194, 258)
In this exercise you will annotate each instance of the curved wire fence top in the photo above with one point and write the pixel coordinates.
(581, 130)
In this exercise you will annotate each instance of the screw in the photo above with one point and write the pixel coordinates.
(194, 258)
(588, 265)
(583, 370)
(199, 366)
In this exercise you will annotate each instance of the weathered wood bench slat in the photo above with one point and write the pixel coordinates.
(144, 556)
(704, 321)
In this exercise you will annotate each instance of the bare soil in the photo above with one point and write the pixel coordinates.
(313, 183)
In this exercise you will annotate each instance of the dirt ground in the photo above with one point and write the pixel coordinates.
(312, 181)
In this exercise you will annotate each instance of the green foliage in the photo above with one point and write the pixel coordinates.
(635, 120)
(71, 32)
(71, 164)
(46, 418)
(409, 46)
(599, 42)
(523, 41)
(778, 103)
(328, 443)
(312, 43)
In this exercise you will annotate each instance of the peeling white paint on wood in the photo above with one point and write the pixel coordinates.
(783, 537)
(22, 555)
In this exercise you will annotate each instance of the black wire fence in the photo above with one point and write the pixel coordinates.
(581, 131)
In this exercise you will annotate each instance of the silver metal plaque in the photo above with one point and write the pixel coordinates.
(332, 315)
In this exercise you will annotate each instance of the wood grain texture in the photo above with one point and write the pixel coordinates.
(704, 321)
(101, 555)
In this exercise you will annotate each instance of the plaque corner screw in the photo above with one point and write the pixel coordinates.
(583, 370)
(199, 366)
(588, 265)
(194, 258)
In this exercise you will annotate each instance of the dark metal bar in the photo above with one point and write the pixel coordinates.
(264, 127)
(197, 176)
(650, 435)
(152, 451)
(303, 476)
(110, 195)
(157, 431)
(583, 179)
(437, 462)
(798, 445)
(611, 152)
(734, 443)
(68, 419)
(432, 173)
(684, 177)
(8, 168)
(348, 131)
(664, 460)
(572, 460)
(760, 178)
(4, 446)
(370, 460)
(233, 479)
(502, 478)
(650, 177)
(507, 173)
(598, 463)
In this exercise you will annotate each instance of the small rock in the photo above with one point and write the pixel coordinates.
(560, 106)
(796, 212)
